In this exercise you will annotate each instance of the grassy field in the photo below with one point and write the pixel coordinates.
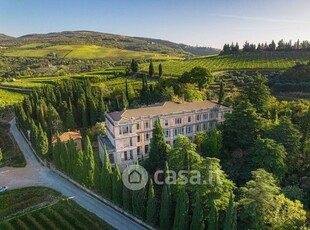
(266, 60)
(9, 97)
(42, 208)
(12, 156)
(82, 51)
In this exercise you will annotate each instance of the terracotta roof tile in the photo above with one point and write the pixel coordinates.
(162, 108)
(65, 137)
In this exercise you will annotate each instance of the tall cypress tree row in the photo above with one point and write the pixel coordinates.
(230, 222)
(213, 217)
(106, 176)
(127, 197)
(181, 212)
(88, 164)
(151, 212)
(117, 186)
(197, 218)
(159, 149)
(165, 214)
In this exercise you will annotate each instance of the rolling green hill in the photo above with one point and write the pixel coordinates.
(106, 40)
(81, 51)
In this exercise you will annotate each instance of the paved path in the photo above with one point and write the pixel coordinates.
(34, 174)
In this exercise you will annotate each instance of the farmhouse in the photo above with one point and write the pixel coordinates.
(129, 132)
(65, 137)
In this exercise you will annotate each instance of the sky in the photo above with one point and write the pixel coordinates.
(195, 22)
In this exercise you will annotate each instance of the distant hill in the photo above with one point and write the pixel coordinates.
(195, 50)
(4, 37)
(110, 41)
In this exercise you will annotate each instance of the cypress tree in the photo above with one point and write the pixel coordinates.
(117, 186)
(92, 112)
(197, 219)
(125, 101)
(88, 164)
(63, 157)
(127, 197)
(151, 69)
(159, 148)
(33, 134)
(160, 70)
(151, 212)
(77, 172)
(70, 122)
(181, 212)
(221, 93)
(106, 176)
(42, 141)
(165, 206)
(127, 91)
(229, 222)
(213, 217)
(138, 202)
(72, 156)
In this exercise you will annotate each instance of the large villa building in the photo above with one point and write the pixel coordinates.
(129, 132)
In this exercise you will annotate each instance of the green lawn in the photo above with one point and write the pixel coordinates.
(82, 51)
(42, 208)
(266, 60)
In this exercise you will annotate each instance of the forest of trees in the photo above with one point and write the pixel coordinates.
(294, 79)
(280, 46)
(260, 153)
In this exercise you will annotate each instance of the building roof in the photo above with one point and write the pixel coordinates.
(65, 137)
(161, 109)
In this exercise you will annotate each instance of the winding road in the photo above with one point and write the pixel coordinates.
(34, 174)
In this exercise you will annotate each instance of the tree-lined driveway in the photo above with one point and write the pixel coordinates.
(34, 174)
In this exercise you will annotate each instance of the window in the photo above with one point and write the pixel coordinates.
(138, 126)
(211, 115)
(167, 133)
(131, 154)
(205, 116)
(205, 126)
(138, 150)
(166, 123)
(189, 129)
(147, 136)
(189, 119)
(198, 128)
(130, 141)
(178, 121)
(125, 129)
(178, 131)
(146, 125)
(139, 138)
(198, 117)
(125, 154)
(122, 156)
(146, 148)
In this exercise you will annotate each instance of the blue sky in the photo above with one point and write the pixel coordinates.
(194, 22)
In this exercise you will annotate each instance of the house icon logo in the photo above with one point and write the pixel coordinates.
(135, 177)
